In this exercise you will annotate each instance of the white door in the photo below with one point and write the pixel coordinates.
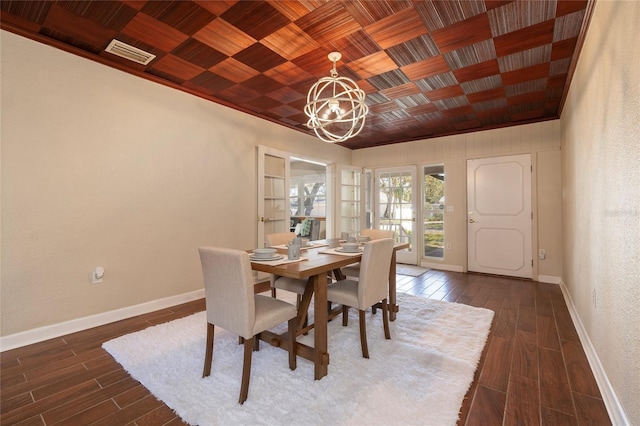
(395, 208)
(273, 192)
(499, 216)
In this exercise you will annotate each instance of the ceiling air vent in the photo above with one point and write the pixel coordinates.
(129, 52)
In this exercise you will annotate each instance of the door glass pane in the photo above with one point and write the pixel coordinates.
(274, 201)
(274, 209)
(433, 211)
(274, 166)
(395, 207)
(368, 196)
(273, 187)
(350, 201)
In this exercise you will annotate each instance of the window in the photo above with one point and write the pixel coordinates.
(433, 211)
(307, 190)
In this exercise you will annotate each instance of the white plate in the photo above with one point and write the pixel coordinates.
(347, 251)
(266, 259)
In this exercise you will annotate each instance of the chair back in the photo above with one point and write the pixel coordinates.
(318, 230)
(376, 234)
(228, 287)
(374, 272)
(278, 238)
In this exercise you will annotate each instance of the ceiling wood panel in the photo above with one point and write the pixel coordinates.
(199, 53)
(154, 33)
(426, 68)
(464, 33)
(72, 26)
(396, 29)
(524, 74)
(474, 72)
(256, 18)
(259, 57)
(369, 12)
(224, 37)
(328, 22)
(290, 42)
(184, 70)
(440, 14)
(184, 16)
(429, 68)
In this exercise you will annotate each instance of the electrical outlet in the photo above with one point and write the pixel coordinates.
(450, 208)
(448, 246)
(97, 275)
(542, 254)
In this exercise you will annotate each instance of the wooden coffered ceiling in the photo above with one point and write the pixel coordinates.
(429, 68)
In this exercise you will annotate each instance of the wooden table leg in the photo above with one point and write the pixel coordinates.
(320, 319)
(393, 307)
(304, 303)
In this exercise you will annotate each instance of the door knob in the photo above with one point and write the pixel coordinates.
(472, 221)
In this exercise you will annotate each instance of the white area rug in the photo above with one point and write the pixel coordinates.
(419, 377)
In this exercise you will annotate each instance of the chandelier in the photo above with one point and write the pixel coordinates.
(335, 106)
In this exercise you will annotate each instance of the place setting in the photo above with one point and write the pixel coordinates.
(349, 246)
(346, 249)
(304, 243)
(272, 257)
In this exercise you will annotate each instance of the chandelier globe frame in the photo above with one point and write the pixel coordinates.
(336, 106)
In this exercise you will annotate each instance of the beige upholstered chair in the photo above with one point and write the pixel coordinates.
(284, 283)
(371, 287)
(278, 238)
(373, 234)
(232, 305)
(376, 234)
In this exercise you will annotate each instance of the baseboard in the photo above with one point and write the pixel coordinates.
(442, 266)
(41, 334)
(611, 401)
(551, 279)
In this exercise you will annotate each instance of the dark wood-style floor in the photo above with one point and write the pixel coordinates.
(533, 370)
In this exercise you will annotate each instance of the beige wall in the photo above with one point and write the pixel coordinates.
(548, 211)
(601, 195)
(541, 140)
(103, 168)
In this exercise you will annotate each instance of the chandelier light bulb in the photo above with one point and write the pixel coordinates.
(336, 106)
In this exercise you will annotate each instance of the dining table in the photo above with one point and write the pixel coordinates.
(319, 261)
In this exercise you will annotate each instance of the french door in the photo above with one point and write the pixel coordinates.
(395, 208)
(273, 192)
(499, 216)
